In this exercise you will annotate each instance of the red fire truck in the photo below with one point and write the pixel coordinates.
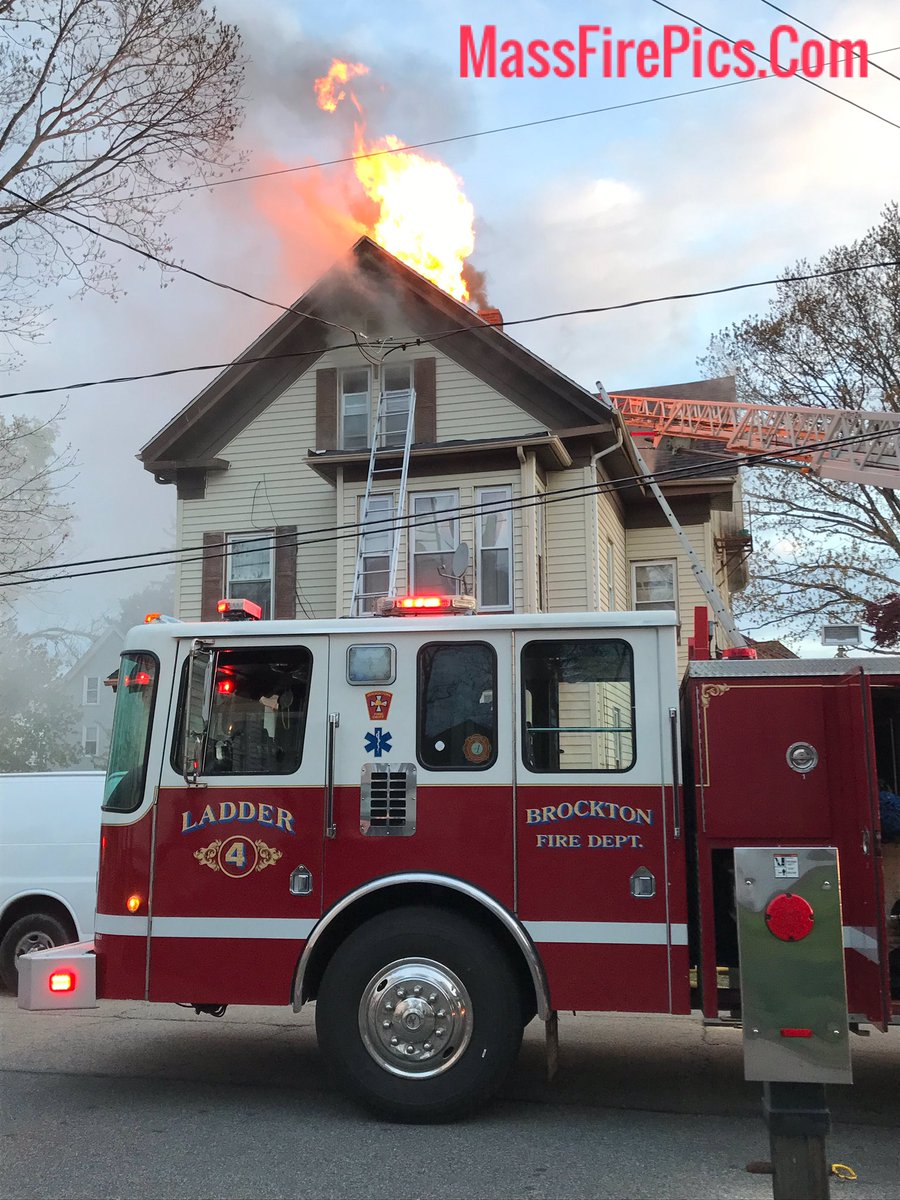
(439, 825)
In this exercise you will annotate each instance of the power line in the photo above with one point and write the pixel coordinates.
(444, 141)
(764, 58)
(172, 266)
(418, 339)
(812, 29)
(336, 533)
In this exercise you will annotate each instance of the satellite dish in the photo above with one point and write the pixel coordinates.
(459, 563)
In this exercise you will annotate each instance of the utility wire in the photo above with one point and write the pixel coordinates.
(764, 58)
(444, 141)
(812, 29)
(418, 339)
(172, 266)
(336, 533)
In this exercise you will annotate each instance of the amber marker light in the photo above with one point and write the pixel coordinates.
(62, 981)
(133, 903)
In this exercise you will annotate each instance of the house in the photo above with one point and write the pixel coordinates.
(84, 684)
(510, 458)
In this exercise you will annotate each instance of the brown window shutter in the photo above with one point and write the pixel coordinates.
(326, 409)
(285, 573)
(425, 383)
(212, 581)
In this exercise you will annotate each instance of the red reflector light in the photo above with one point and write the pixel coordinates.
(790, 917)
(62, 981)
(739, 652)
(801, 1033)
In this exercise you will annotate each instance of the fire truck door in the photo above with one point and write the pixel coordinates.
(855, 830)
(237, 871)
(594, 816)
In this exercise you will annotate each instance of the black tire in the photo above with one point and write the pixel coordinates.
(485, 1032)
(37, 931)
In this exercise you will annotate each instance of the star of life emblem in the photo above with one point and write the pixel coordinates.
(378, 742)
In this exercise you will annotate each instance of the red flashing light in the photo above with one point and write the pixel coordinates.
(62, 981)
(141, 679)
(424, 602)
(225, 687)
(739, 652)
(797, 1033)
(789, 917)
(151, 617)
(235, 609)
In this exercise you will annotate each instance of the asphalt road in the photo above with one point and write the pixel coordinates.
(139, 1101)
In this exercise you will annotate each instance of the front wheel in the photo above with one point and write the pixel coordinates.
(419, 1015)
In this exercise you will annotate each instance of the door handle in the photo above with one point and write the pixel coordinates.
(334, 720)
(301, 881)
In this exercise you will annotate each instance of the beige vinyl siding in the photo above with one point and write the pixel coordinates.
(570, 542)
(645, 545)
(466, 486)
(468, 408)
(611, 528)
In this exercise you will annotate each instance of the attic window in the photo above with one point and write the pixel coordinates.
(354, 408)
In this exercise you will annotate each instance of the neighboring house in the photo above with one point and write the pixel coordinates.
(84, 683)
(270, 462)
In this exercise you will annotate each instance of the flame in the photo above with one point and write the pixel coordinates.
(424, 217)
(327, 95)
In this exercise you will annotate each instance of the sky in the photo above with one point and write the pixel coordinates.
(696, 192)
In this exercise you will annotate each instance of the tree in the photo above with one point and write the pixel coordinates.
(33, 520)
(108, 110)
(823, 549)
(38, 720)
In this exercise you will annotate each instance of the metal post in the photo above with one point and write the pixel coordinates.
(798, 1119)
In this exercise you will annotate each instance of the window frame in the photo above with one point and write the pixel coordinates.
(342, 411)
(480, 548)
(86, 688)
(453, 495)
(255, 535)
(523, 724)
(392, 441)
(610, 576)
(420, 707)
(180, 714)
(85, 739)
(654, 562)
(390, 534)
(148, 736)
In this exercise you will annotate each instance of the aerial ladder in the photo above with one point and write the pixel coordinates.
(852, 446)
(861, 446)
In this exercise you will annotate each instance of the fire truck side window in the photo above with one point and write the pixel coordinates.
(457, 723)
(258, 715)
(578, 705)
(135, 695)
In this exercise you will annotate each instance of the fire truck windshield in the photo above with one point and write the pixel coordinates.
(135, 694)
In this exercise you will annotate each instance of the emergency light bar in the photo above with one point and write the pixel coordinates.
(414, 606)
(238, 610)
(739, 652)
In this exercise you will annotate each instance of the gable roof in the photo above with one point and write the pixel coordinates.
(368, 284)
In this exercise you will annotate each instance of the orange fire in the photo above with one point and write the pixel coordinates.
(424, 217)
(328, 96)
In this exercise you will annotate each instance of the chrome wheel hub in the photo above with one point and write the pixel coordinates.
(415, 1017)
(33, 941)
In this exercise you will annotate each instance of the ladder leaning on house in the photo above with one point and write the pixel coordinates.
(387, 429)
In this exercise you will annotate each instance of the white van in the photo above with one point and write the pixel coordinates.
(49, 843)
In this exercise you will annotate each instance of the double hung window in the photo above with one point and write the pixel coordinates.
(434, 536)
(495, 576)
(355, 407)
(396, 383)
(376, 551)
(250, 573)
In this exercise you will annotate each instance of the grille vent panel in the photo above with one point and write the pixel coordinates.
(387, 799)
